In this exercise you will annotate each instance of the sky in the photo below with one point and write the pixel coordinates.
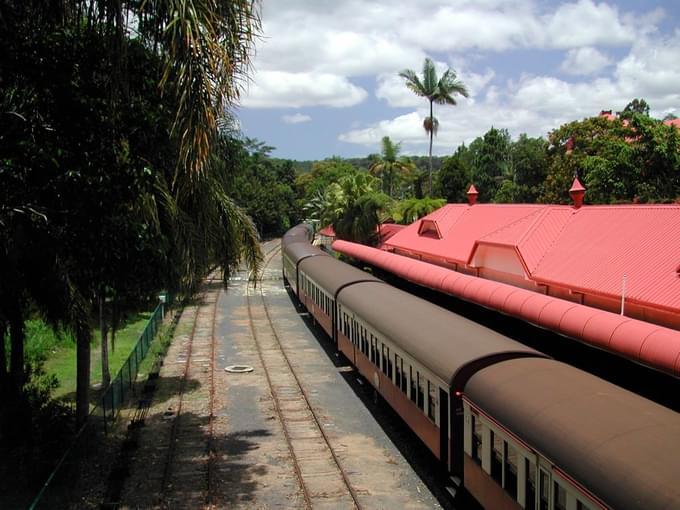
(324, 79)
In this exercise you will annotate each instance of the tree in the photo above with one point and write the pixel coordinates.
(440, 91)
(354, 208)
(529, 166)
(261, 185)
(389, 165)
(636, 106)
(408, 211)
(617, 161)
(454, 177)
(491, 162)
(122, 178)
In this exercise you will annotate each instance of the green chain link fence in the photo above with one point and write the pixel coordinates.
(68, 472)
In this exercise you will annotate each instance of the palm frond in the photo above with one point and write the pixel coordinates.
(413, 83)
(430, 81)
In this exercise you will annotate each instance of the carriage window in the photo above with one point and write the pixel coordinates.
(373, 349)
(414, 393)
(476, 428)
(432, 400)
(404, 382)
(580, 505)
(389, 364)
(385, 357)
(510, 468)
(543, 490)
(397, 371)
(421, 395)
(530, 484)
(559, 497)
(496, 458)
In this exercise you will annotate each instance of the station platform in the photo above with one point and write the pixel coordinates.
(252, 462)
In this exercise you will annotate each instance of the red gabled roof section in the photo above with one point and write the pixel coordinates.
(585, 250)
(600, 244)
(327, 231)
(387, 230)
(645, 343)
(460, 226)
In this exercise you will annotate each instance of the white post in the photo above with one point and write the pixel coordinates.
(623, 294)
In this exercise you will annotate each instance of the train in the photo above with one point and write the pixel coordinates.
(513, 427)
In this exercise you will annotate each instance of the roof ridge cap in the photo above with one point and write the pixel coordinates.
(509, 225)
(543, 212)
(549, 248)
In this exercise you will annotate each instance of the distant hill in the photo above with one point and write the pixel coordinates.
(421, 162)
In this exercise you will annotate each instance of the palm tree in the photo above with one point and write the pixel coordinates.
(390, 164)
(440, 91)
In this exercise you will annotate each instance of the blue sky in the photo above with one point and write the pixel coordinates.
(325, 82)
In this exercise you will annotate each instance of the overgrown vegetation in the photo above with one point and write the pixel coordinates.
(113, 181)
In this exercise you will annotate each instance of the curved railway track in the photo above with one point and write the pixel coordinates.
(187, 477)
(322, 479)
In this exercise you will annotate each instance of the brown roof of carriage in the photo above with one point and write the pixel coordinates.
(445, 343)
(621, 447)
(332, 274)
(299, 233)
(302, 249)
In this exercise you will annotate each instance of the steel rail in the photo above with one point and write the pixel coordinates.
(317, 421)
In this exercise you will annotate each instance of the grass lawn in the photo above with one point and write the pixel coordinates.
(61, 360)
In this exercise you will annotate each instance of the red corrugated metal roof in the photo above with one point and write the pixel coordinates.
(461, 226)
(599, 244)
(587, 250)
(327, 231)
(643, 342)
(536, 243)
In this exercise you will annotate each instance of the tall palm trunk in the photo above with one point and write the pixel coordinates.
(3, 359)
(431, 136)
(16, 362)
(103, 328)
(83, 373)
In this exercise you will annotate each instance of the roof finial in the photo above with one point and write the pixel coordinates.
(577, 192)
(472, 194)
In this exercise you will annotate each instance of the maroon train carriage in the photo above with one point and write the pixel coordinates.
(292, 254)
(541, 434)
(419, 357)
(320, 280)
(520, 430)
(299, 233)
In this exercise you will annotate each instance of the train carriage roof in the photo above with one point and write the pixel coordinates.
(623, 448)
(332, 274)
(450, 346)
(301, 250)
(298, 233)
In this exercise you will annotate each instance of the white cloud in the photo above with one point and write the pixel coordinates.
(278, 89)
(651, 71)
(490, 27)
(296, 118)
(584, 61)
(586, 23)
(322, 52)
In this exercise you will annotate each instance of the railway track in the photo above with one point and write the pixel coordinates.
(187, 477)
(323, 481)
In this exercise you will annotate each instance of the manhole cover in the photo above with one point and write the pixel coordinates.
(238, 369)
